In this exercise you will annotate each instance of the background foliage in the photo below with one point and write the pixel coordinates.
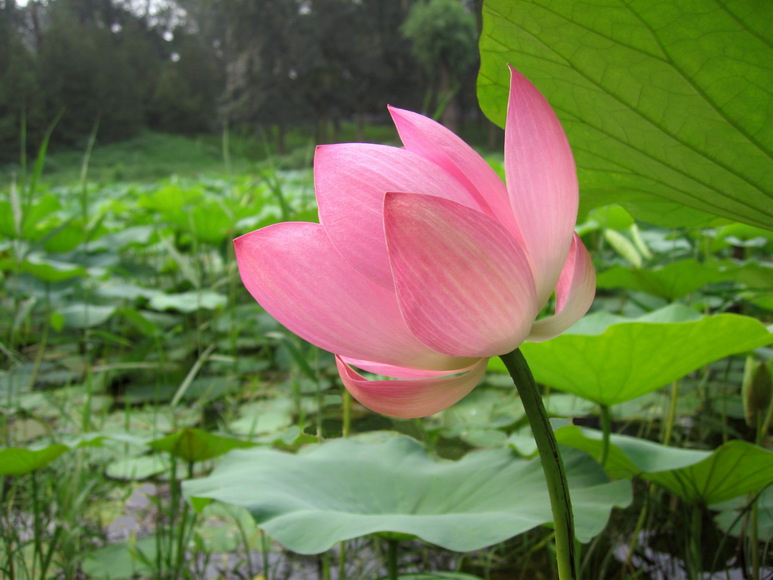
(192, 66)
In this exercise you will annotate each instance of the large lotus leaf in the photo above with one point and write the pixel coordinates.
(733, 469)
(610, 360)
(670, 282)
(665, 103)
(344, 489)
(196, 445)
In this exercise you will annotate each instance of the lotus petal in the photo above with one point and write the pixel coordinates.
(351, 179)
(574, 294)
(295, 273)
(409, 399)
(433, 141)
(541, 181)
(464, 286)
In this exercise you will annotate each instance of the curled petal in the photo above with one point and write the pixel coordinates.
(541, 181)
(396, 372)
(574, 294)
(433, 141)
(295, 273)
(464, 286)
(408, 399)
(351, 179)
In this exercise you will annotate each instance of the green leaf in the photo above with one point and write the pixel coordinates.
(731, 470)
(344, 489)
(728, 519)
(192, 444)
(673, 281)
(51, 270)
(125, 560)
(188, 301)
(20, 461)
(137, 468)
(610, 360)
(82, 315)
(665, 103)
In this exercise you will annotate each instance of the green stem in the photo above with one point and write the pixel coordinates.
(342, 560)
(392, 559)
(606, 430)
(552, 465)
(695, 542)
(671, 413)
(347, 419)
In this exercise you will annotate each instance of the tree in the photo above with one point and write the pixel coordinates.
(443, 38)
(86, 74)
(21, 96)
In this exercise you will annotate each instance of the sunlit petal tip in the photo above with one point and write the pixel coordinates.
(574, 294)
(412, 398)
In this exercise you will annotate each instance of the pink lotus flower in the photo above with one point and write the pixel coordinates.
(425, 264)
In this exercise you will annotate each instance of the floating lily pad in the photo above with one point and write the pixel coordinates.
(708, 477)
(344, 489)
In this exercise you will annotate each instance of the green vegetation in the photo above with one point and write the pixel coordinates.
(133, 359)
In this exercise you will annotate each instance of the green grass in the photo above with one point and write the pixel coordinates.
(151, 156)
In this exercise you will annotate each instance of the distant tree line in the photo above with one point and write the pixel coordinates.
(194, 66)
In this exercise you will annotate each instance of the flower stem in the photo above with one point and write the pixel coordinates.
(552, 465)
(606, 429)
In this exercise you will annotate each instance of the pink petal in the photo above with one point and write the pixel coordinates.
(297, 275)
(541, 180)
(408, 399)
(464, 286)
(433, 141)
(394, 371)
(350, 181)
(574, 294)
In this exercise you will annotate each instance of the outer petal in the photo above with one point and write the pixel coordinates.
(396, 372)
(297, 275)
(433, 141)
(408, 399)
(351, 179)
(574, 294)
(464, 286)
(541, 181)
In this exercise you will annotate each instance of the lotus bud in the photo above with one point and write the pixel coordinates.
(756, 390)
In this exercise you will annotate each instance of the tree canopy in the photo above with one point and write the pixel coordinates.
(192, 66)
